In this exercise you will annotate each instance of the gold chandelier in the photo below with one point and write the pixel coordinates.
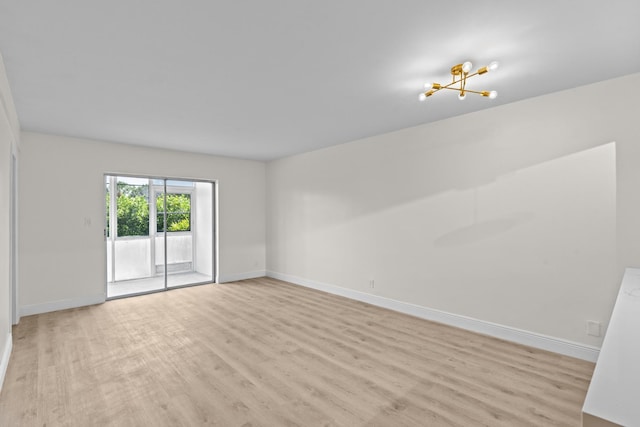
(460, 74)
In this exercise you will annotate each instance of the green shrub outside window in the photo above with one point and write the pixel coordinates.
(133, 211)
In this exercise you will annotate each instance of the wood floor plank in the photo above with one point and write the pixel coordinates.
(263, 352)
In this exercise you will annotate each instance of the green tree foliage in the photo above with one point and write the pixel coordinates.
(130, 190)
(133, 215)
(178, 212)
(133, 211)
(181, 225)
(108, 205)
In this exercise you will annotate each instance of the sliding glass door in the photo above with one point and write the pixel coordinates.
(159, 234)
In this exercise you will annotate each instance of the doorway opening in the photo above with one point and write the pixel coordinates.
(160, 234)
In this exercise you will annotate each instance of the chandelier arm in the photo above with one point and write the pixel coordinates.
(472, 91)
(458, 90)
(473, 74)
(458, 81)
(451, 84)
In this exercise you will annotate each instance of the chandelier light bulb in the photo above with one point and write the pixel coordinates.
(461, 97)
(493, 94)
(466, 67)
(422, 97)
(493, 66)
(428, 86)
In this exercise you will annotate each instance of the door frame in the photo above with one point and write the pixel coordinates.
(214, 229)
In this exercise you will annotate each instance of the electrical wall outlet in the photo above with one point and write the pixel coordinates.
(594, 328)
(372, 283)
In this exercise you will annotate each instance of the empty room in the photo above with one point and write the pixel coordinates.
(290, 213)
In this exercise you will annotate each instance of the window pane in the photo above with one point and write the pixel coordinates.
(178, 212)
(133, 181)
(176, 183)
(133, 207)
(108, 207)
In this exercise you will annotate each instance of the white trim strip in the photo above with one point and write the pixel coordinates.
(532, 339)
(224, 278)
(28, 310)
(4, 362)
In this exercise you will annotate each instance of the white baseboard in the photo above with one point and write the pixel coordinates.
(224, 278)
(4, 362)
(46, 307)
(532, 339)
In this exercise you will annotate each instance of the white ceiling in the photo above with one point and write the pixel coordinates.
(266, 79)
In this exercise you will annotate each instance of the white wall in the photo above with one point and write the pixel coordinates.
(180, 250)
(132, 257)
(62, 249)
(507, 215)
(9, 143)
(204, 227)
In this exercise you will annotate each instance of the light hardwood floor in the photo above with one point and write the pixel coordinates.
(266, 353)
